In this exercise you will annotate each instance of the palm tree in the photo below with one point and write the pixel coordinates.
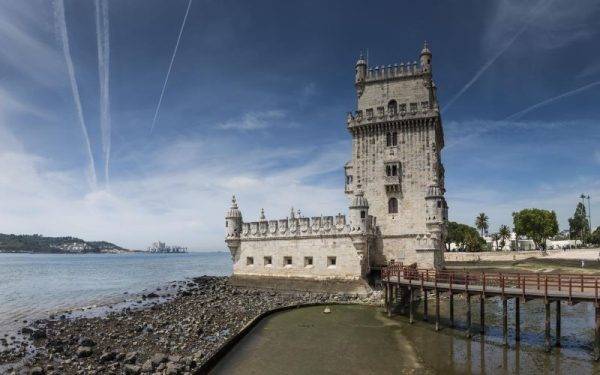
(504, 233)
(481, 222)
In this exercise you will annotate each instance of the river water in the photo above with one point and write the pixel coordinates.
(363, 340)
(35, 285)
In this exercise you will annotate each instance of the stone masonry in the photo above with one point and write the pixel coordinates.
(394, 183)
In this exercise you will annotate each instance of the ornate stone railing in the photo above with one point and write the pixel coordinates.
(393, 71)
(360, 118)
(300, 227)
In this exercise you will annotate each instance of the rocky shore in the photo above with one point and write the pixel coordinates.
(173, 337)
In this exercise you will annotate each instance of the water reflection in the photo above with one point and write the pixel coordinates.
(360, 339)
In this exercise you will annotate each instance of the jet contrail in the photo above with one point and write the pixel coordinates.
(59, 17)
(493, 59)
(518, 115)
(103, 40)
(162, 93)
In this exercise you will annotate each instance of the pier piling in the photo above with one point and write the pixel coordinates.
(504, 321)
(558, 323)
(437, 310)
(547, 326)
(597, 349)
(468, 315)
(425, 309)
(482, 314)
(410, 305)
(451, 299)
(517, 319)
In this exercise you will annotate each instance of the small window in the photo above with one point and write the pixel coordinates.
(308, 261)
(394, 139)
(363, 214)
(402, 107)
(370, 113)
(425, 105)
(394, 170)
(392, 107)
(249, 261)
(393, 206)
(439, 204)
(226, 223)
(388, 170)
(413, 107)
(331, 262)
(287, 261)
(268, 261)
(388, 139)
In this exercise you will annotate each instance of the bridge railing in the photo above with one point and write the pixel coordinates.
(525, 282)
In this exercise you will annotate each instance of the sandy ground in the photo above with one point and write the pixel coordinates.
(586, 254)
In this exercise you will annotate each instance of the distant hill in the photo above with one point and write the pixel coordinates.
(35, 243)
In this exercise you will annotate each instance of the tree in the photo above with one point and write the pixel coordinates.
(536, 224)
(578, 225)
(504, 233)
(595, 237)
(465, 237)
(481, 223)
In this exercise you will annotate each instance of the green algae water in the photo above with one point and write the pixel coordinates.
(363, 340)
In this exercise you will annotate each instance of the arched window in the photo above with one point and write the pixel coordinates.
(394, 139)
(388, 139)
(392, 107)
(394, 170)
(393, 206)
(388, 170)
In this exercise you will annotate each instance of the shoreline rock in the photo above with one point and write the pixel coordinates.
(173, 337)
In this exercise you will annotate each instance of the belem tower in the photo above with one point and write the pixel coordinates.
(394, 184)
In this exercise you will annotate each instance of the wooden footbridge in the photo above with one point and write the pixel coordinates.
(403, 284)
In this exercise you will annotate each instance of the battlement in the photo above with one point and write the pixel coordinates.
(317, 226)
(403, 111)
(399, 71)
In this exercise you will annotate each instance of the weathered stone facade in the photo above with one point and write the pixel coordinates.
(395, 182)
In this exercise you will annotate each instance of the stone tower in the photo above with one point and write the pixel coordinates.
(397, 139)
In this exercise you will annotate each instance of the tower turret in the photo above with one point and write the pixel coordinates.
(425, 58)
(361, 74)
(359, 213)
(233, 227)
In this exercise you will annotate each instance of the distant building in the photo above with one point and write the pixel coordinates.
(394, 184)
(161, 247)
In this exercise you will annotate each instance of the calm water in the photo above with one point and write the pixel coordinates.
(36, 285)
(362, 340)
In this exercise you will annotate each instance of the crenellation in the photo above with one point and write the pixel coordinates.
(394, 183)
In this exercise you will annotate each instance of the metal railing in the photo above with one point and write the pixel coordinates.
(552, 284)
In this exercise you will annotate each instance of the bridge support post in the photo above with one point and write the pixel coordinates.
(517, 319)
(558, 323)
(468, 315)
(437, 310)
(451, 300)
(597, 349)
(387, 299)
(547, 326)
(425, 309)
(504, 321)
(410, 305)
(482, 314)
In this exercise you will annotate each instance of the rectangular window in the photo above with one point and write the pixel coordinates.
(308, 261)
(363, 214)
(413, 107)
(425, 105)
(370, 113)
(249, 261)
(268, 261)
(287, 261)
(402, 107)
(394, 139)
(331, 262)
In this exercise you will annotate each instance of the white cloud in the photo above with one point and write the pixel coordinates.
(254, 120)
(182, 205)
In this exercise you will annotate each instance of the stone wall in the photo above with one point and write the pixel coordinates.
(348, 264)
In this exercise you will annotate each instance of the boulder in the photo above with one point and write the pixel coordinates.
(84, 351)
(132, 369)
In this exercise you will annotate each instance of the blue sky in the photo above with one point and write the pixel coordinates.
(256, 103)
